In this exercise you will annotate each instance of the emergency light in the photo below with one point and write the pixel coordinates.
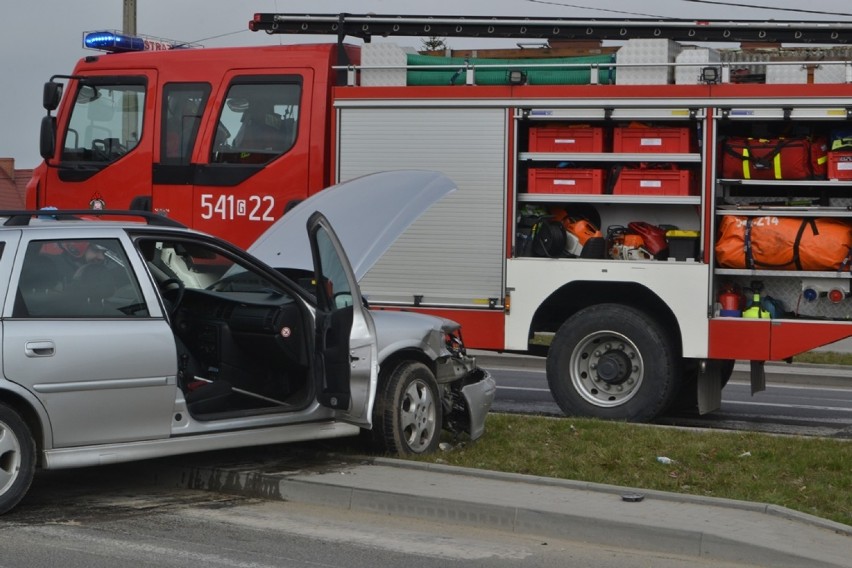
(117, 42)
(112, 42)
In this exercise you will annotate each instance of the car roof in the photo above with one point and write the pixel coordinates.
(75, 221)
(27, 217)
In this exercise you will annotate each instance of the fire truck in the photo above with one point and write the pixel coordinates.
(641, 215)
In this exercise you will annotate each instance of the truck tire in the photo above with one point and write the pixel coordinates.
(408, 417)
(612, 362)
(17, 458)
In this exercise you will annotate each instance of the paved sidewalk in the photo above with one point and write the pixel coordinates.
(717, 529)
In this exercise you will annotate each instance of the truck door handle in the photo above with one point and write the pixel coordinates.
(40, 348)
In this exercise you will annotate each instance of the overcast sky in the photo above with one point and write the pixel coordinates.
(40, 38)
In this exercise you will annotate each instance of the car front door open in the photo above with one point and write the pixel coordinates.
(345, 349)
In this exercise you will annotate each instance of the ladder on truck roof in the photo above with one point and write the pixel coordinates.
(365, 26)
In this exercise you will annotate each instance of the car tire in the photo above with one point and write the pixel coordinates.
(407, 417)
(17, 458)
(612, 362)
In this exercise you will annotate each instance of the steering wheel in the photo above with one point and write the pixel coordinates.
(173, 290)
(99, 150)
(104, 148)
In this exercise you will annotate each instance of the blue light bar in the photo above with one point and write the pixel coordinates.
(113, 42)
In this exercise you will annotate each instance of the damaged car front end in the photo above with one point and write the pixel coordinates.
(427, 382)
(465, 390)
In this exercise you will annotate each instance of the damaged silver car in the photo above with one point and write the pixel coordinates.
(125, 340)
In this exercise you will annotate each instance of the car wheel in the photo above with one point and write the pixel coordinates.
(612, 362)
(408, 415)
(17, 458)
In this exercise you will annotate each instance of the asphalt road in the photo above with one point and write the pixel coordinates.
(103, 518)
(803, 404)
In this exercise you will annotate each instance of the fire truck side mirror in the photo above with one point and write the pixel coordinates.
(51, 95)
(47, 137)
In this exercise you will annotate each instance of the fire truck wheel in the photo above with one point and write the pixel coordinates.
(17, 458)
(612, 362)
(408, 415)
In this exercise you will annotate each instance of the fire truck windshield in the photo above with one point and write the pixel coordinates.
(106, 122)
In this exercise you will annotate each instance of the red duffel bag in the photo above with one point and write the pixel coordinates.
(784, 243)
(766, 158)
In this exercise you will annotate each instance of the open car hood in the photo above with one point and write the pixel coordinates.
(368, 214)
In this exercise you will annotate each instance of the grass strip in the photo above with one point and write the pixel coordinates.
(824, 358)
(811, 475)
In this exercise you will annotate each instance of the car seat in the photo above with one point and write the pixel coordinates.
(38, 287)
(92, 285)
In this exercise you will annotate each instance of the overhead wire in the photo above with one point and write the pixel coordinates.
(773, 8)
(625, 12)
(713, 2)
(612, 11)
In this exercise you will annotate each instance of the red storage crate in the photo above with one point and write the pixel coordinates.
(670, 140)
(651, 181)
(564, 180)
(840, 165)
(566, 139)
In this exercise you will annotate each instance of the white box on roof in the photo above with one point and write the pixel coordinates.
(792, 74)
(691, 74)
(830, 72)
(388, 55)
(646, 52)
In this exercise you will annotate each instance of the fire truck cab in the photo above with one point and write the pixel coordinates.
(643, 216)
(219, 139)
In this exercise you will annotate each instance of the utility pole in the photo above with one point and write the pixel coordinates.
(129, 18)
(130, 104)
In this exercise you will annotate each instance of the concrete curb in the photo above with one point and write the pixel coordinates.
(709, 528)
(765, 508)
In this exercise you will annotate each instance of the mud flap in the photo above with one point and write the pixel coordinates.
(710, 386)
(758, 376)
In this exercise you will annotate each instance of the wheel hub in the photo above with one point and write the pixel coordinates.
(613, 367)
(418, 416)
(606, 369)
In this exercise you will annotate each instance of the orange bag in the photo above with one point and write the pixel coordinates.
(784, 243)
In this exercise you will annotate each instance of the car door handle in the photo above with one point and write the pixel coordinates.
(40, 348)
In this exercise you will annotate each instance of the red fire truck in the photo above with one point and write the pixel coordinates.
(642, 215)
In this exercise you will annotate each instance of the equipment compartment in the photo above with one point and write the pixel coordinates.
(558, 138)
(651, 181)
(640, 139)
(565, 180)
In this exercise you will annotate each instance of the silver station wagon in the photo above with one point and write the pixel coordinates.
(137, 338)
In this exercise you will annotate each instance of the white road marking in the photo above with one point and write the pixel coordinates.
(778, 405)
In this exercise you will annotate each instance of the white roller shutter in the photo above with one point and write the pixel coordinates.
(453, 255)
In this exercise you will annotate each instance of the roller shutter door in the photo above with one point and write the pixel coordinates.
(453, 255)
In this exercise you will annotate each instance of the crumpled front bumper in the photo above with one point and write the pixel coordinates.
(471, 393)
(478, 396)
